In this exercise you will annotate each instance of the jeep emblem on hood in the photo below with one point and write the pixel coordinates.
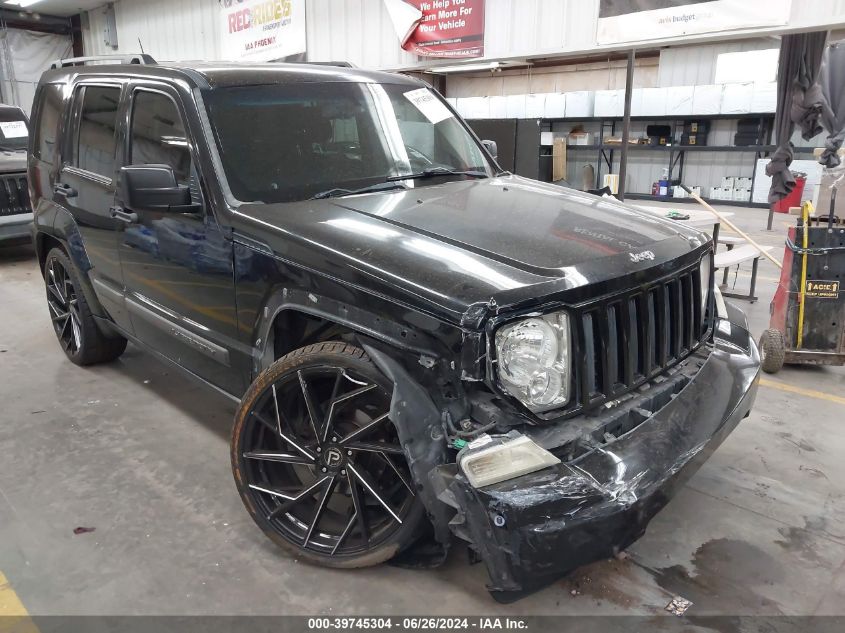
(638, 257)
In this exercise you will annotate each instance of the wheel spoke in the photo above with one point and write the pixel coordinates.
(364, 430)
(358, 504)
(320, 508)
(271, 491)
(77, 335)
(309, 404)
(333, 405)
(371, 488)
(398, 473)
(282, 458)
(58, 295)
(346, 531)
(297, 499)
(375, 447)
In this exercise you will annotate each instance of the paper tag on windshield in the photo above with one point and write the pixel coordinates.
(429, 105)
(13, 129)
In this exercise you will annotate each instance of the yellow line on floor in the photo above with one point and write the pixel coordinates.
(810, 393)
(14, 618)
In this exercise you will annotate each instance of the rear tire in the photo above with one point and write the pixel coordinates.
(772, 351)
(81, 339)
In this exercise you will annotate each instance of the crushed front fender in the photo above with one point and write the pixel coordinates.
(532, 530)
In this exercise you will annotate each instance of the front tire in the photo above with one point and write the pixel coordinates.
(772, 351)
(318, 463)
(81, 339)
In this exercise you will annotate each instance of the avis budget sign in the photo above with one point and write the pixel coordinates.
(448, 28)
(262, 30)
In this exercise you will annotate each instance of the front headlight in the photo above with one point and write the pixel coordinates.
(706, 276)
(533, 360)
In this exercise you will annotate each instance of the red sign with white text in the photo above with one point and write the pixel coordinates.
(449, 28)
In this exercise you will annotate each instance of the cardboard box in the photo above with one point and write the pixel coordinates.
(679, 100)
(547, 138)
(764, 97)
(498, 107)
(580, 138)
(559, 159)
(515, 107)
(580, 103)
(609, 103)
(654, 101)
(556, 106)
(736, 98)
(707, 99)
(535, 106)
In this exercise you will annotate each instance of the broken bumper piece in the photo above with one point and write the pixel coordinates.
(531, 530)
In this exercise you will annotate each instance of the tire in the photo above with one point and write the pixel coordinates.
(81, 339)
(772, 351)
(330, 494)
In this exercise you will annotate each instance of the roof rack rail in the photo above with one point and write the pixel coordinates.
(140, 58)
(337, 64)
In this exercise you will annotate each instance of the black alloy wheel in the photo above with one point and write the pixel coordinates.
(82, 340)
(64, 306)
(318, 462)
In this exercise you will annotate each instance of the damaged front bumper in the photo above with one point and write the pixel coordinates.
(619, 468)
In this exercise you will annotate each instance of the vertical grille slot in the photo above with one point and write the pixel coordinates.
(629, 338)
(14, 195)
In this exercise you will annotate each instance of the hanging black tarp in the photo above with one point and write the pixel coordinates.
(832, 81)
(800, 102)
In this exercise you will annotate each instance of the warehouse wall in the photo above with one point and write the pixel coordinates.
(360, 30)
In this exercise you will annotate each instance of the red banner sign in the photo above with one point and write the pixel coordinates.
(448, 28)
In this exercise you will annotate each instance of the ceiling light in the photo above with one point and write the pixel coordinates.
(21, 3)
(477, 67)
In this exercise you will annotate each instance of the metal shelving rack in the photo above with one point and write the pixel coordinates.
(675, 153)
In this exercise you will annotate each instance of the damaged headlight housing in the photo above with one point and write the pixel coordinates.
(533, 360)
(492, 460)
(705, 272)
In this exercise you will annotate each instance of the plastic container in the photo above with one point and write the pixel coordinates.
(794, 197)
(663, 185)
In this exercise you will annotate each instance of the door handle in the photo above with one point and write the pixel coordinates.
(119, 213)
(64, 190)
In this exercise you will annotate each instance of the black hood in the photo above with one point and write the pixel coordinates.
(470, 241)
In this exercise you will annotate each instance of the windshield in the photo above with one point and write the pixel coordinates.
(14, 134)
(281, 143)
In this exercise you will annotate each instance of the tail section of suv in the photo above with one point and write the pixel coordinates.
(422, 347)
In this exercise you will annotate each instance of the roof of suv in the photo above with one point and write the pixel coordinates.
(225, 74)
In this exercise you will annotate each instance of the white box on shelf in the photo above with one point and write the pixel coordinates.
(515, 107)
(556, 103)
(654, 102)
(498, 107)
(580, 138)
(696, 190)
(535, 106)
(742, 195)
(728, 182)
(707, 99)
(609, 103)
(580, 103)
(764, 97)
(736, 98)
(743, 183)
(679, 100)
(636, 102)
(678, 192)
(452, 101)
(547, 138)
(479, 107)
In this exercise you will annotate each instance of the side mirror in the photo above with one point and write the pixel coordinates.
(492, 148)
(154, 188)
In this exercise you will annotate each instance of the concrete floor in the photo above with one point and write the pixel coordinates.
(139, 452)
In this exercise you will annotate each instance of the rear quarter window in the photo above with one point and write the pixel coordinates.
(47, 127)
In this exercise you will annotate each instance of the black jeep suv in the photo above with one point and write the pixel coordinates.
(422, 346)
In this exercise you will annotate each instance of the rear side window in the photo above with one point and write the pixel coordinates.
(158, 135)
(96, 143)
(47, 129)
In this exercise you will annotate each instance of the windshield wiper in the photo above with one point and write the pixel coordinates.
(434, 172)
(337, 192)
